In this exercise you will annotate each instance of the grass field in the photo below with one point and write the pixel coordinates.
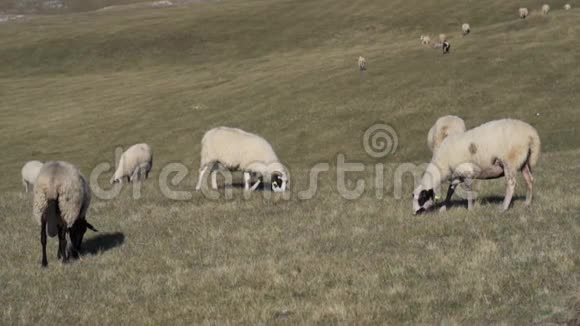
(76, 86)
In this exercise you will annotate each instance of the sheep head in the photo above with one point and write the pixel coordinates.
(423, 200)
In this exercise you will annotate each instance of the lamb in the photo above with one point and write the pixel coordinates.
(523, 13)
(567, 6)
(425, 39)
(545, 9)
(235, 149)
(494, 149)
(29, 173)
(362, 63)
(466, 29)
(135, 164)
(443, 127)
(61, 199)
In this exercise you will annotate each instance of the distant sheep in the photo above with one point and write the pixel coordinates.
(443, 127)
(567, 6)
(425, 39)
(236, 149)
(61, 199)
(442, 37)
(465, 29)
(135, 164)
(362, 63)
(446, 47)
(29, 173)
(494, 149)
(523, 13)
(545, 9)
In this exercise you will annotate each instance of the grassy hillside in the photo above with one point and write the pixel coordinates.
(76, 86)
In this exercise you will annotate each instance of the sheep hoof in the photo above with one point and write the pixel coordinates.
(443, 209)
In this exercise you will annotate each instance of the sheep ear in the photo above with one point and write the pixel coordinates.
(90, 227)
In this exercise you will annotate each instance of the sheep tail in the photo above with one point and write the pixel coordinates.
(50, 215)
(534, 148)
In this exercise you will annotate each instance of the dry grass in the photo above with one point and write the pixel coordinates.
(78, 85)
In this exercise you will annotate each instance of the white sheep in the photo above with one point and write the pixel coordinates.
(523, 12)
(465, 29)
(442, 37)
(236, 149)
(61, 199)
(443, 127)
(135, 164)
(495, 149)
(545, 9)
(362, 63)
(425, 39)
(29, 173)
(567, 6)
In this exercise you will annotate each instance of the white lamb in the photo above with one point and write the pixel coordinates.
(236, 149)
(567, 6)
(425, 39)
(362, 63)
(135, 164)
(545, 9)
(495, 149)
(466, 29)
(61, 199)
(29, 173)
(443, 127)
(523, 12)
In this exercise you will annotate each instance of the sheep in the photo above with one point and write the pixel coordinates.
(567, 6)
(235, 149)
(135, 164)
(425, 39)
(61, 199)
(362, 63)
(442, 37)
(545, 9)
(523, 13)
(29, 173)
(443, 127)
(465, 29)
(446, 46)
(494, 149)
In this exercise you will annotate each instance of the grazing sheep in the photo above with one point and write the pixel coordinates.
(61, 199)
(446, 46)
(443, 127)
(236, 149)
(425, 39)
(567, 6)
(135, 163)
(362, 63)
(442, 38)
(466, 29)
(494, 149)
(30, 172)
(523, 13)
(545, 9)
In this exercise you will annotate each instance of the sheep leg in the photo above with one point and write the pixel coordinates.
(468, 185)
(25, 183)
(450, 192)
(62, 244)
(255, 185)
(213, 180)
(43, 242)
(529, 179)
(246, 181)
(200, 178)
(510, 185)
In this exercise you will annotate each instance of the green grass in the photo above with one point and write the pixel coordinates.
(75, 86)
